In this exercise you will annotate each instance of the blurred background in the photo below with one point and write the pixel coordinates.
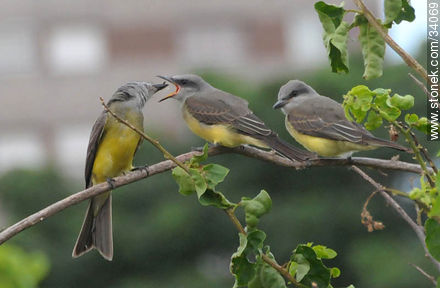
(56, 60)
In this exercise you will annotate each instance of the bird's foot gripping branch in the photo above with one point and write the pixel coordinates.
(253, 265)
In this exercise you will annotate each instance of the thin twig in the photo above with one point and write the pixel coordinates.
(163, 166)
(409, 60)
(424, 273)
(390, 200)
(155, 143)
(420, 84)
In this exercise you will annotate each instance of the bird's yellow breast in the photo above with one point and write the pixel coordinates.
(219, 134)
(116, 148)
(325, 147)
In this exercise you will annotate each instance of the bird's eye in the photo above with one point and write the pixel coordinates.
(184, 82)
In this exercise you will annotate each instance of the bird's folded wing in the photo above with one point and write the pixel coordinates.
(217, 111)
(335, 129)
(95, 139)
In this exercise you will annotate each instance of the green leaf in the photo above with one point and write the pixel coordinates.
(336, 45)
(256, 207)
(215, 198)
(300, 268)
(435, 210)
(266, 276)
(185, 182)
(411, 119)
(432, 229)
(335, 35)
(195, 160)
(373, 50)
(323, 252)
(199, 182)
(356, 100)
(330, 15)
(318, 275)
(422, 125)
(214, 174)
(374, 121)
(392, 10)
(402, 102)
(407, 13)
(335, 272)
(437, 182)
(242, 269)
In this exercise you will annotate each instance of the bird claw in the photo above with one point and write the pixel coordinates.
(141, 168)
(111, 182)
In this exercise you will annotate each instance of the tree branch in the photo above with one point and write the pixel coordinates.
(419, 230)
(168, 165)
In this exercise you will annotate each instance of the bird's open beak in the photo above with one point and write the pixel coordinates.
(160, 86)
(279, 104)
(172, 94)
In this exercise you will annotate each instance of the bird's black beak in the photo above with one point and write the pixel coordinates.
(279, 104)
(160, 86)
(172, 94)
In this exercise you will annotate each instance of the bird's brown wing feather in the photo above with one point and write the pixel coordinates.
(323, 117)
(215, 110)
(95, 138)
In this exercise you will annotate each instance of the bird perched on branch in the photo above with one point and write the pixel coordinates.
(110, 152)
(222, 118)
(319, 123)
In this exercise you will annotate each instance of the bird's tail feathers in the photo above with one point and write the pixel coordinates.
(96, 232)
(386, 143)
(287, 150)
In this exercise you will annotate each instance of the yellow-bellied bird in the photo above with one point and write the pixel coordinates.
(111, 149)
(225, 119)
(319, 123)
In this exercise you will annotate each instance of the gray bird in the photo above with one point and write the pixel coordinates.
(319, 123)
(110, 153)
(220, 117)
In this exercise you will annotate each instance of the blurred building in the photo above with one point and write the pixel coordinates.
(58, 57)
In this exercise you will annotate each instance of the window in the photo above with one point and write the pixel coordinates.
(76, 49)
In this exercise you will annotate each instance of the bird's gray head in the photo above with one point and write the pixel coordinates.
(291, 91)
(186, 85)
(137, 93)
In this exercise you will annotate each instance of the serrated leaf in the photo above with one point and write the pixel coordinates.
(256, 207)
(432, 229)
(324, 252)
(402, 102)
(214, 174)
(373, 50)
